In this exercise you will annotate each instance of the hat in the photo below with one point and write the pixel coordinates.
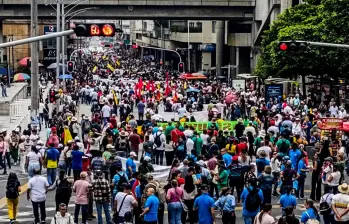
(85, 117)
(200, 163)
(109, 146)
(70, 141)
(298, 119)
(149, 176)
(226, 130)
(161, 129)
(74, 119)
(343, 188)
(3, 130)
(60, 146)
(133, 154)
(147, 158)
(213, 139)
(240, 120)
(40, 142)
(77, 138)
(262, 133)
(329, 159)
(53, 129)
(123, 133)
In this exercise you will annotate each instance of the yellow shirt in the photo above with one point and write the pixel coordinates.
(232, 149)
(51, 164)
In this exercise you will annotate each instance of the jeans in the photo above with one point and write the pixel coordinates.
(12, 206)
(175, 212)
(300, 191)
(3, 91)
(159, 157)
(68, 164)
(36, 206)
(31, 168)
(169, 158)
(249, 219)
(51, 175)
(3, 162)
(106, 208)
(61, 166)
(76, 174)
(83, 213)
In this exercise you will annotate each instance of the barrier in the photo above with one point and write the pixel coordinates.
(200, 126)
(19, 108)
(24, 121)
(160, 173)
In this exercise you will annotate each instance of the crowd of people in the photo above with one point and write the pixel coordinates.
(108, 158)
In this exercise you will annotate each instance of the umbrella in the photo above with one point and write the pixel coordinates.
(24, 62)
(54, 66)
(65, 76)
(192, 90)
(21, 77)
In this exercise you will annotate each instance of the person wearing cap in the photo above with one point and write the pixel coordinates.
(37, 188)
(51, 163)
(80, 144)
(131, 165)
(124, 202)
(100, 189)
(204, 204)
(53, 137)
(75, 127)
(122, 144)
(81, 189)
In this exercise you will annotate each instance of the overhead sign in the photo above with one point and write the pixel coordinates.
(49, 29)
(239, 84)
(273, 91)
(49, 54)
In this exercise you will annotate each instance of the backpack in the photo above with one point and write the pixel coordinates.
(157, 140)
(12, 190)
(283, 147)
(122, 181)
(64, 187)
(123, 143)
(311, 220)
(324, 207)
(253, 201)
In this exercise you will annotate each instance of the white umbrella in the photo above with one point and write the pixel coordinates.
(54, 65)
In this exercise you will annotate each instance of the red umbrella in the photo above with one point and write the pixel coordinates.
(24, 62)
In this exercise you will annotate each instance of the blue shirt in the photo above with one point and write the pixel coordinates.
(244, 194)
(52, 154)
(260, 164)
(140, 107)
(76, 159)
(204, 203)
(226, 203)
(138, 192)
(116, 179)
(301, 165)
(288, 200)
(294, 155)
(155, 130)
(152, 203)
(227, 159)
(309, 214)
(266, 181)
(132, 164)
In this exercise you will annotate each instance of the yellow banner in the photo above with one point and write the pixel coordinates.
(200, 126)
(111, 67)
(94, 69)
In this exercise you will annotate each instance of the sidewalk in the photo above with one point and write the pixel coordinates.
(12, 92)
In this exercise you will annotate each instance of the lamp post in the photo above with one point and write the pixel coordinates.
(58, 43)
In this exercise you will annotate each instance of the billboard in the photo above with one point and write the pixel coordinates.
(273, 91)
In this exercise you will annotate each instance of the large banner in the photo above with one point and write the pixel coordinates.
(200, 126)
(331, 124)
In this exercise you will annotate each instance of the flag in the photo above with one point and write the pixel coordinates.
(185, 85)
(140, 84)
(167, 89)
(136, 91)
(175, 97)
(158, 95)
(67, 135)
(148, 85)
(111, 68)
(115, 98)
(94, 69)
(117, 63)
(158, 86)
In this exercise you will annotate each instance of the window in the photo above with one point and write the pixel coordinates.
(191, 24)
(240, 28)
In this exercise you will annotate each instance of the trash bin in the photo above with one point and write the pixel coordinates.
(85, 163)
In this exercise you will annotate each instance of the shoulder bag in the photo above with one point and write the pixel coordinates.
(116, 213)
(184, 206)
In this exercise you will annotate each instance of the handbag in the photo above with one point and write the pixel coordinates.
(116, 213)
(184, 206)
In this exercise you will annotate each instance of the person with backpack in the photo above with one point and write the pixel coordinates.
(159, 143)
(119, 179)
(310, 216)
(124, 204)
(13, 188)
(266, 181)
(51, 163)
(122, 144)
(252, 198)
(63, 189)
(62, 216)
(325, 206)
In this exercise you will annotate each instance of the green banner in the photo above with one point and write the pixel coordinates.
(200, 126)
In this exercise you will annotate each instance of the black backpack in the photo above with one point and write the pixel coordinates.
(12, 190)
(325, 209)
(122, 181)
(253, 201)
(283, 147)
(64, 187)
(157, 140)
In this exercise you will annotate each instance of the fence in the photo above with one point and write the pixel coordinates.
(19, 109)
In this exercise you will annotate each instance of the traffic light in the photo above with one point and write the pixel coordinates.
(70, 66)
(54, 95)
(181, 67)
(96, 30)
(292, 45)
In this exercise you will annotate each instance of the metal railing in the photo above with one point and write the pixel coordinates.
(19, 108)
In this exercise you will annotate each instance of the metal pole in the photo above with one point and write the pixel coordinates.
(63, 50)
(13, 60)
(188, 47)
(34, 59)
(37, 38)
(58, 42)
(229, 74)
(162, 46)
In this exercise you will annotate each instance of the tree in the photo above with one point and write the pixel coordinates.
(324, 22)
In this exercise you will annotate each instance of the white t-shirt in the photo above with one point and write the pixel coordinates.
(204, 138)
(38, 185)
(190, 145)
(106, 111)
(34, 157)
(266, 219)
(127, 205)
(266, 149)
(336, 176)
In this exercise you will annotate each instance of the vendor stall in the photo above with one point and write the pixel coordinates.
(331, 129)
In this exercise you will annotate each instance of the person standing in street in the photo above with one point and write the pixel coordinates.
(51, 163)
(151, 207)
(205, 206)
(63, 189)
(131, 165)
(3, 147)
(81, 201)
(124, 203)
(37, 188)
(62, 216)
(76, 155)
(140, 107)
(13, 188)
(101, 193)
(159, 143)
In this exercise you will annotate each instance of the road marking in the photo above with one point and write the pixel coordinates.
(3, 201)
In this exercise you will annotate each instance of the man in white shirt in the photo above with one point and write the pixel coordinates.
(264, 148)
(106, 110)
(189, 144)
(297, 127)
(62, 216)
(124, 202)
(181, 112)
(334, 110)
(159, 141)
(37, 188)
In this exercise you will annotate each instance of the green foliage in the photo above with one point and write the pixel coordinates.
(325, 22)
(23, 69)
